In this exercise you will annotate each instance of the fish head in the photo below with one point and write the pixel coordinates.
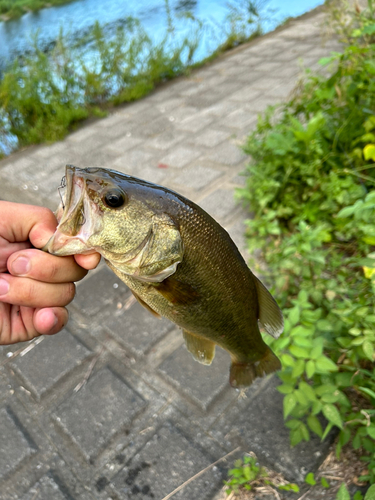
(118, 216)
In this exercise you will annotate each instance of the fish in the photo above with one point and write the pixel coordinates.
(178, 262)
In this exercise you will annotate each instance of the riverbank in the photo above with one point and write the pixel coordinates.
(12, 9)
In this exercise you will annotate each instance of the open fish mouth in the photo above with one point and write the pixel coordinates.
(75, 215)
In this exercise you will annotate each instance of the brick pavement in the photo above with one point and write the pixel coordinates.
(148, 416)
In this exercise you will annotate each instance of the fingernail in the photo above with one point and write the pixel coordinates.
(4, 287)
(21, 266)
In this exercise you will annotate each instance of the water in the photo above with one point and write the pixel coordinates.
(77, 17)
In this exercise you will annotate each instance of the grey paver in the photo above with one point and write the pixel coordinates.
(55, 366)
(180, 156)
(45, 489)
(198, 382)
(151, 474)
(220, 204)
(135, 328)
(101, 289)
(16, 445)
(197, 177)
(147, 416)
(104, 406)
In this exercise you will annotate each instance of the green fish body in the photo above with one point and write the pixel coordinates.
(178, 262)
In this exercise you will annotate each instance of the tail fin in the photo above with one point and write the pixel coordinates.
(244, 374)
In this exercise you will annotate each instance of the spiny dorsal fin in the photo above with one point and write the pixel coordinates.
(270, 315)
(202, 350)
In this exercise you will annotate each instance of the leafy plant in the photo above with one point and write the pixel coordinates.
(311, 188)
(247, 474)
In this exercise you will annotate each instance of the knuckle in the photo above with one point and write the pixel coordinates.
(69, 293)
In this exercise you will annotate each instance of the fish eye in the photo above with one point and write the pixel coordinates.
(115, 198)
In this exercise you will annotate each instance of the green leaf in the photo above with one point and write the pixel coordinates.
(315, 425)
(325, 365)
(367, 391)
(332, 415)
(294, 315)
(371, 431)
(324, 482)
(285, 389)
(310, 368)
(289, 402)
(299, 352)
(343, 493)
(368, 349)
(370, 494)
(309, 479)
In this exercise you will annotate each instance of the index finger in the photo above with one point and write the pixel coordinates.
(20, 222)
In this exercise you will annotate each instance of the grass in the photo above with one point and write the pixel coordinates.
(12, 9)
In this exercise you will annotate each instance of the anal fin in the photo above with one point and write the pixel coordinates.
(244, 374)
(146, 306)
(202, 350)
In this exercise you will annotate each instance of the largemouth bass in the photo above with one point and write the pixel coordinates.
(178, 262)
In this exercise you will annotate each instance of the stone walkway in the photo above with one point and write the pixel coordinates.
(148, 417)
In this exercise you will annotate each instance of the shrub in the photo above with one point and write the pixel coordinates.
(310, 186)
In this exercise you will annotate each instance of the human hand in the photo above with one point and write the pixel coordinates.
(35, 286)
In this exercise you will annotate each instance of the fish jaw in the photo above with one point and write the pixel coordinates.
(76, 218)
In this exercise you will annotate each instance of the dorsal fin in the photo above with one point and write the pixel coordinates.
(202, 350)
(270, 315)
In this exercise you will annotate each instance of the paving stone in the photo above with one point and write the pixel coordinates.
(103, 407)
(153, 127)
(180, 157)
(211, 137)
(136, 328)
(45, 489)
(16, 444)
(195, 123)
(201, 383)
(102, 289)
(133, 161)
(43, 366)
(247, 93)
(197, 177)
(166, 139)
(240, 119)
(226, 154)
(163, 464)
(256, 424)
(219, 204)
(125, 143)
(155, 174)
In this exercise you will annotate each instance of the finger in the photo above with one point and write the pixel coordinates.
(26, 222)
(20, 324)
(89, 261)
(51, 320)
(7, 249)
(32, 293)
(45, 267)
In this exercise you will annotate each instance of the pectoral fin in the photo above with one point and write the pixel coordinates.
(146, 306)
(176, 292)
(202, 350)
(270, 315)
